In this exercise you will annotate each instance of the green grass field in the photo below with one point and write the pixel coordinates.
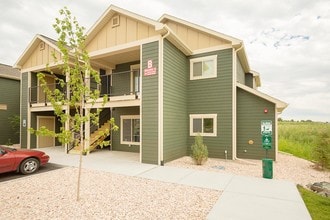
(299, 138)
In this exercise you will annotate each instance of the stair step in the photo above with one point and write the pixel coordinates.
(74, 151)
(95, 139)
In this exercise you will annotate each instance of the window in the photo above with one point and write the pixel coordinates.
(130, 129)
(3, 106)
(203, 67)
(203, 124)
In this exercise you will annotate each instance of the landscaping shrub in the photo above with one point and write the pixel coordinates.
(321, 150)
(199, 150)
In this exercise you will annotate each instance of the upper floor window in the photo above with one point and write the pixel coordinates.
(203, 67)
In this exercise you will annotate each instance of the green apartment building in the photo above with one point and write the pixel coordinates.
(9, 104)
(167, 81)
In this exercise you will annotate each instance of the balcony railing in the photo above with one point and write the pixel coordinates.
(37, 94)
(114, 85)
(118, 84)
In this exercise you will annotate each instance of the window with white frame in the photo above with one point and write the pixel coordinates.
(130, 129)
(203, 124)
(203, 67)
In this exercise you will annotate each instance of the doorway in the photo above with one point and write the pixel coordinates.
(49, 123)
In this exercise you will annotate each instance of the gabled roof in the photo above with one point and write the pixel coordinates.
(234, 41)
(113, 10)
(9, 72)
(280, 105)
(32, 46)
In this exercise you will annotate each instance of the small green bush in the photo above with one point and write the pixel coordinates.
(321, 151)
(199, 150)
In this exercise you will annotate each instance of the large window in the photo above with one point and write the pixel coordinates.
(203, 67)
(130, 129)
(203, 124)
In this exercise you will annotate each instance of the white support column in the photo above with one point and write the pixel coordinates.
(160, 104)
(234, 106)
(28, 123)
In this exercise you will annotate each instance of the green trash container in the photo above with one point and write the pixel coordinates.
(267, 168)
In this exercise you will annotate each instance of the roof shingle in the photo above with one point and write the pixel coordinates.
(9, 72)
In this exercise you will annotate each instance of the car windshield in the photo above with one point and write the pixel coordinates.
(8, 148)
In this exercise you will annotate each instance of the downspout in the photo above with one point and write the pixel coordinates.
(235, 113)
(234, 104)
(160, 99)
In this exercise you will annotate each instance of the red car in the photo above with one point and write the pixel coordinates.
(19, 160)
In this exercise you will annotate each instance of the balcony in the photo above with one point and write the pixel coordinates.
(118, 87)
(37, 97)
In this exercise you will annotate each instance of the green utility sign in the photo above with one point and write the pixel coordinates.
(266, 142)
(266, 134)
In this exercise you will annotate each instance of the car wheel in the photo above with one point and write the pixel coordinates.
(29, 166)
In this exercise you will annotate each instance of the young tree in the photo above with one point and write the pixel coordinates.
(72, 93)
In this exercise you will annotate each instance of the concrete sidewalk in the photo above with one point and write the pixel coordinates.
(242, 198)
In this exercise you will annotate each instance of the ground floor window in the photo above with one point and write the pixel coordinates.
(203, 124)
(130, 129)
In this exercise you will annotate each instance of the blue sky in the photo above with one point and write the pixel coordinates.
(286, 40)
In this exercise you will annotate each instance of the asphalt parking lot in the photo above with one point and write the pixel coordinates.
(13, 175)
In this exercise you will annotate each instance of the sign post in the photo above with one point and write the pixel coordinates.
(266, 135)
(266, 140)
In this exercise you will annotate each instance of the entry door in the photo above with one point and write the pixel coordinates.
(49, 123)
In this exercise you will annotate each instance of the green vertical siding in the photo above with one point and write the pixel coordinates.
(240, 72)
(116, 113)
(176, 119)
(10, 96)
(24, 108)
(150, 105)
(249, 80)
(250, 112)
(214, 96)
(33, 91)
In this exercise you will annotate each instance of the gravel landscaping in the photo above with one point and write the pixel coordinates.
(104, 195)
(287, 167)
